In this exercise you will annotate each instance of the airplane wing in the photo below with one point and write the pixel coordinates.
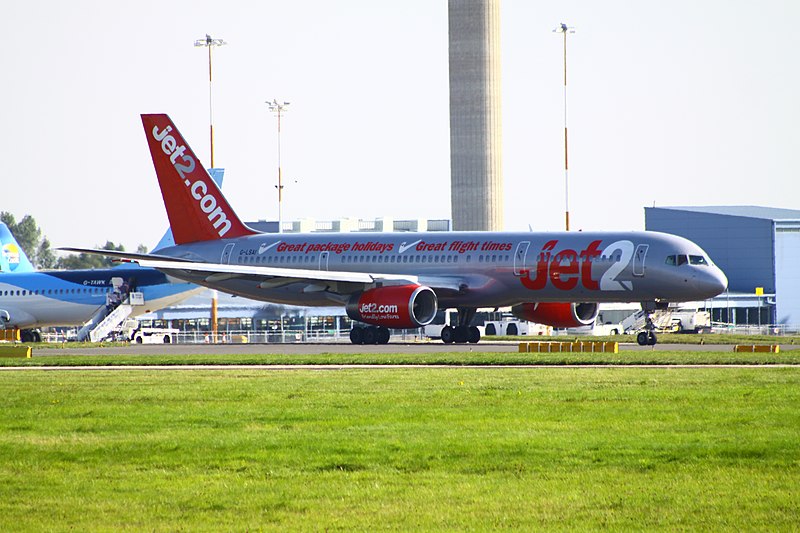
(271, 277)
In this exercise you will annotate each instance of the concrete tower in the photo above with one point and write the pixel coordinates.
(475, 129)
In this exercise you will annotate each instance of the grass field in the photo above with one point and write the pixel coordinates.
(725, 355)
(664, 338)
(401, 449)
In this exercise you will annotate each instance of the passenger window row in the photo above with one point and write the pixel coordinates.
(541, 258)
(264, 259)
(49, 292)
(379, 258)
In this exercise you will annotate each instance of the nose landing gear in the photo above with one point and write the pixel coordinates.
(648, 336)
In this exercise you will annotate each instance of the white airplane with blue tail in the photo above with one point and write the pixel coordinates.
(84, 298)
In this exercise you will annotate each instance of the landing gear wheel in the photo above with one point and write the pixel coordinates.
(473, 334)
(357, 335)
(383, 335)
(370, 335)
(460, 334)
(646, 338)
(448, 335)
(651, 338)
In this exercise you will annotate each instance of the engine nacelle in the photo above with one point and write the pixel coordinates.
(557, 315)
(20, 319)
(397, 306)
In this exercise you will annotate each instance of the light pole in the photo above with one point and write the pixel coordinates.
(279, 109)
(210, 43)
(563, 28)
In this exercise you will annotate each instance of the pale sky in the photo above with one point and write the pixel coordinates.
(679, 102)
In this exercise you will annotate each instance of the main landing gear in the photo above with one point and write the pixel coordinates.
(30, 335)
(463, 332)
(369, 335)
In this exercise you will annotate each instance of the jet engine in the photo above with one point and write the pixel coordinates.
(20, 320)
(557, 315)
(396, 306)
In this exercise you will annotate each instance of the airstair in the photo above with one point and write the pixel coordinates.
(104, 321)
(662, 320)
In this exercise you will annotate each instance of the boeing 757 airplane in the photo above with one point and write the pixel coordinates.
(400, 280)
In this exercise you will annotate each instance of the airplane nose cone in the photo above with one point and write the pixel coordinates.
(722, 281)
(711, 283)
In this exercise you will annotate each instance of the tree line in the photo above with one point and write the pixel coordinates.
(40, 253)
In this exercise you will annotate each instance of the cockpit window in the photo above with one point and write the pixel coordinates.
(677, 260)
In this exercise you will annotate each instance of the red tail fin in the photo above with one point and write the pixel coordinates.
(196, 208)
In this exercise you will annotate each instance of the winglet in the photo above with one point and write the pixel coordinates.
(196, 208)
(12, 256)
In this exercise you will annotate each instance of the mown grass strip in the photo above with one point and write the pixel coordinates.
(644, 357)
(431, 449)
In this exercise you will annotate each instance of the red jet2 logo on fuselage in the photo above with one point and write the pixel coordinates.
(568, 267)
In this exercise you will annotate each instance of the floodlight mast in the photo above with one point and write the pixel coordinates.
(564, 29)
(210, 43)
(279, 108)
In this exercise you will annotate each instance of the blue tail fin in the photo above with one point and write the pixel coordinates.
(12, 256)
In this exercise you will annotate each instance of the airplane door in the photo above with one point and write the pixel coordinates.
(638, 259)
(519, 257)
(323, 260)
(226, 253)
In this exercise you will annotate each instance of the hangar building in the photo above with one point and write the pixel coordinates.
(758, 248)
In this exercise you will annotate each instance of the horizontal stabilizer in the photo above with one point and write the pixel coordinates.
(120, 256)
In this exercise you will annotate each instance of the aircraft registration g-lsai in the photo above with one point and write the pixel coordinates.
(400, 280)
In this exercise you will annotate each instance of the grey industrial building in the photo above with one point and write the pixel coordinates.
(758, 248)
